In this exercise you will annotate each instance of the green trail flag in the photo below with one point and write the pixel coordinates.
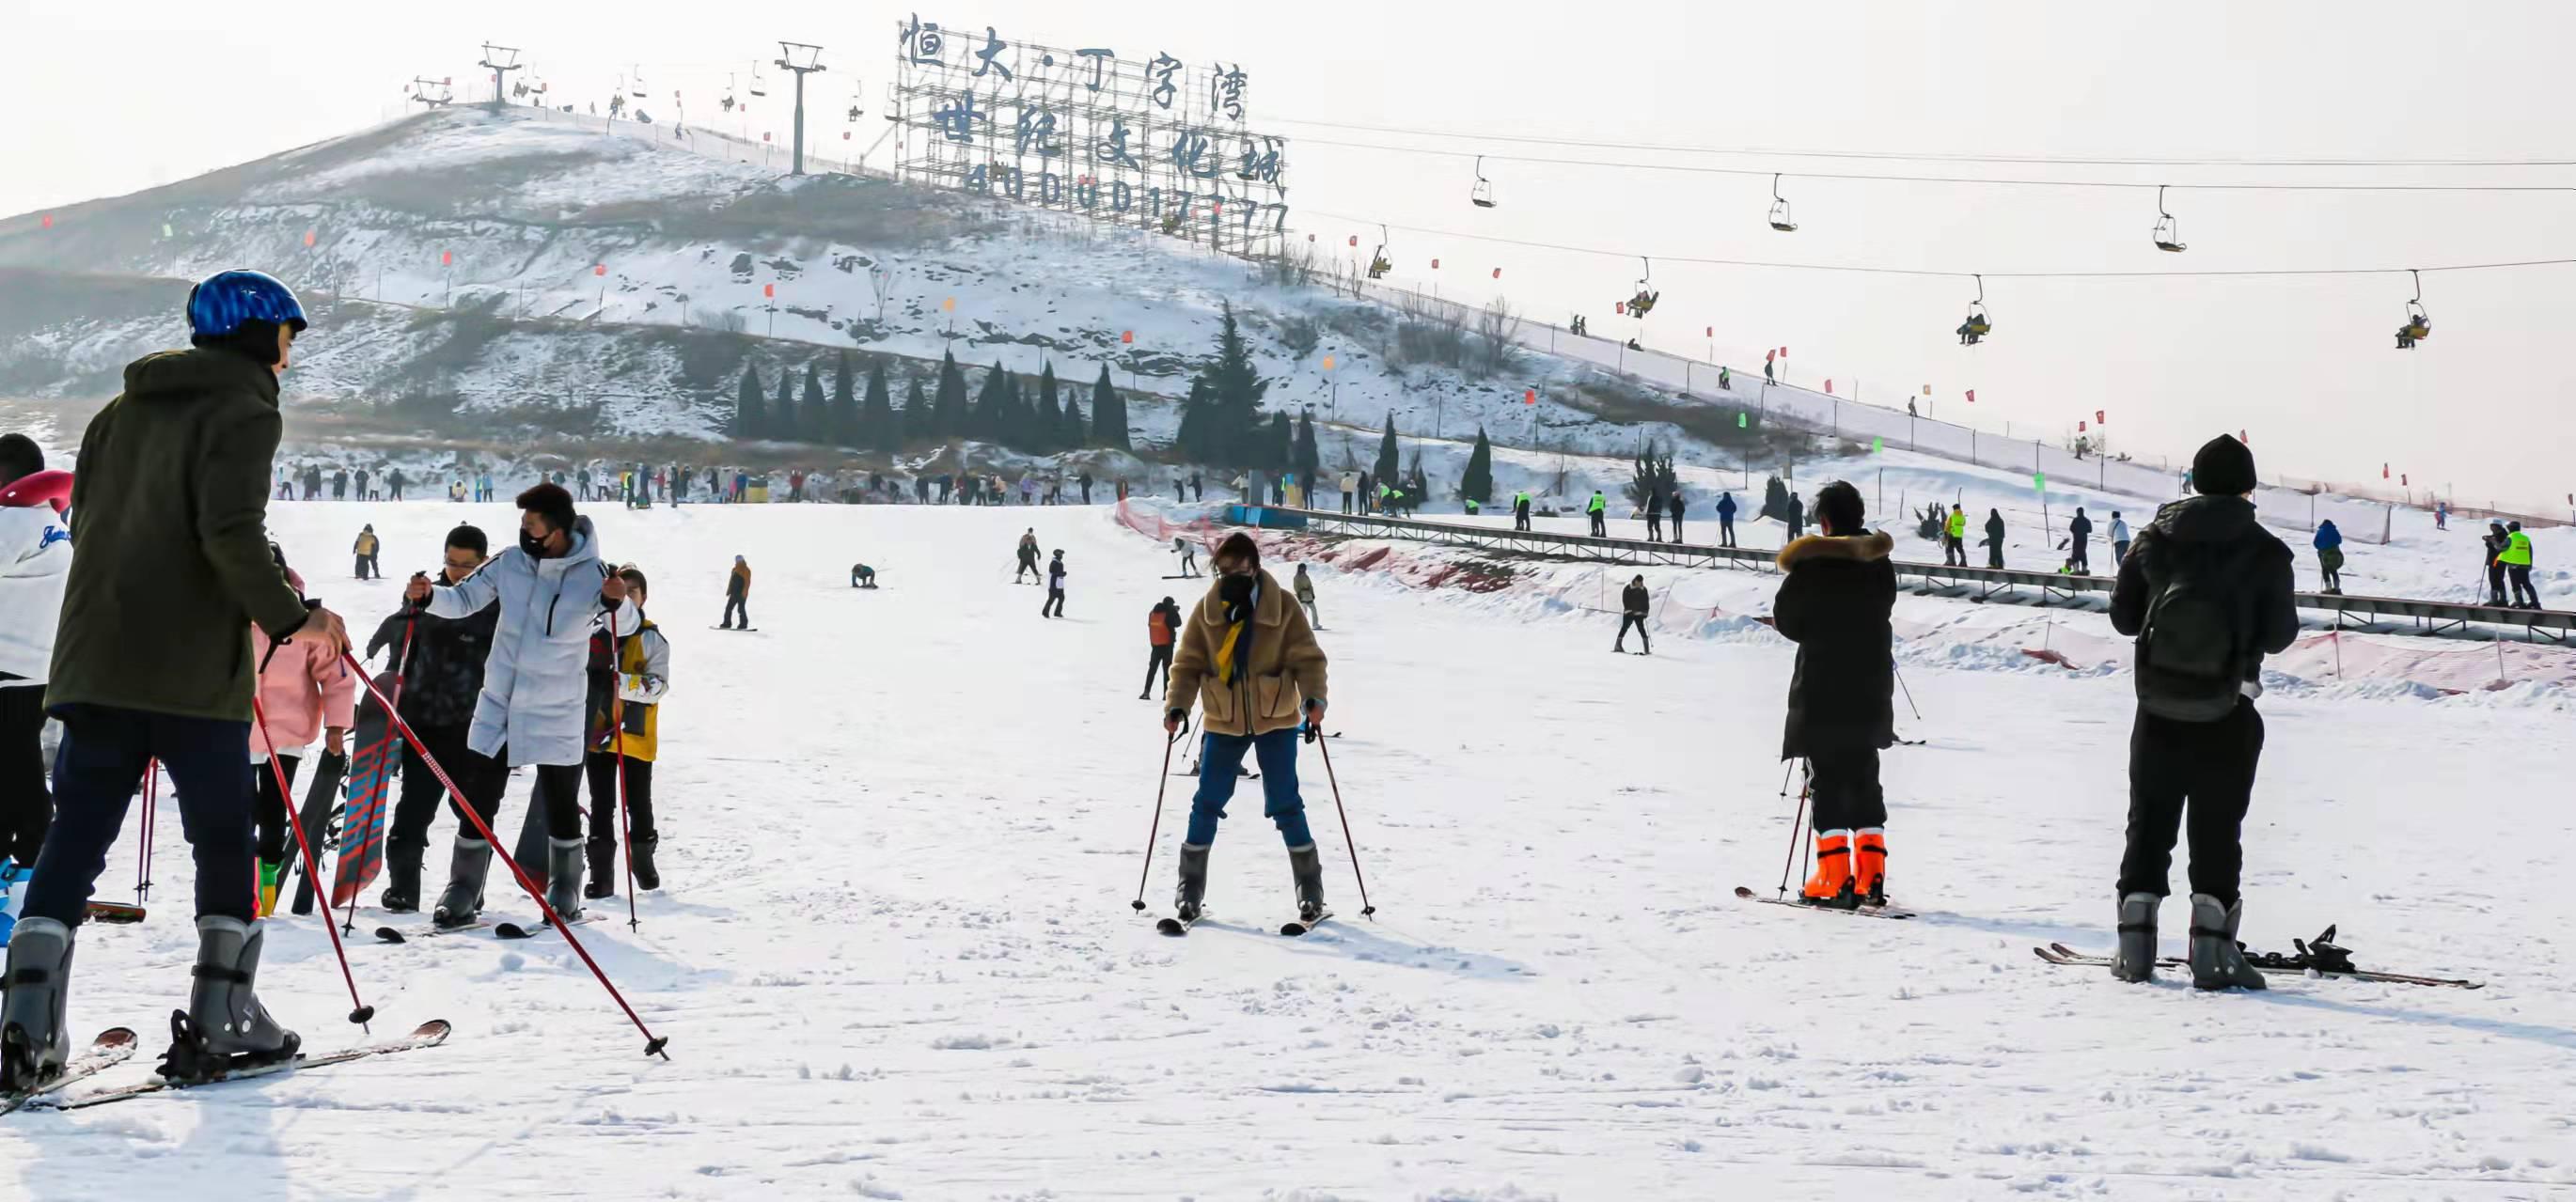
(1875, 444)
(1741, 420)
(165, 230)
(2039, 481)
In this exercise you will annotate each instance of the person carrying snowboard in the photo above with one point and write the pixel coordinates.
(441, 679)
(305, 693)
(2206, 591)
(1055, 588)
(1028, 556)
(1834, 604)
(630, 672)
(1632, 613)
(1305, 586)
(35, 559)
(365, 549)
(738, 594)
(1162, 629)
(1250, 662)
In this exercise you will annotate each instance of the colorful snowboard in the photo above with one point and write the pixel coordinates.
(377, 748)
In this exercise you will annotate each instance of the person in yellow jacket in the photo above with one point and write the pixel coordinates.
(2516, 558)
(1954, 539)
(365, 549)
(625, 725)
(1250, 659)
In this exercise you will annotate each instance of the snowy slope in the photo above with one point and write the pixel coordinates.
(896, 959)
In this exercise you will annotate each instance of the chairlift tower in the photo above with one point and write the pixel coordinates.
(500, 61)
(420, 92)
(804, 60)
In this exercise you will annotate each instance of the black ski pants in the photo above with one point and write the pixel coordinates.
(96, 775)
(2523, 593)
(1654, 526)
(1158, 666)
(417, 804)
(1600, 529)
(602, 767)
(275, 805)
(734, 606)
(1638, 621)
(1843, 793)
(1054, 603)
(26, 808)
(2208, 766)
(1726, 530)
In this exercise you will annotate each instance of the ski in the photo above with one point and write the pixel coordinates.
(1864, 911)
(400, 935)
(737, 629)
(512, 930)
(112, 1047)
(1297, 926)
(115, 913)
(1178, 926)
(428, 1035)
(2060, 954)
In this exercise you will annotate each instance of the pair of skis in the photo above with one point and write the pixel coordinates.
(1864, 910)
(2064, 956)
(1293, 928)
(116, 1045)
(500, 930)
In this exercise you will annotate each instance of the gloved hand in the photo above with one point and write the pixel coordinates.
(1172, 721)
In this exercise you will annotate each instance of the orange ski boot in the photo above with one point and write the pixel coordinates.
(1869, 865)
(1832, 884)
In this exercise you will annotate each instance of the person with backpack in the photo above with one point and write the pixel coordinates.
(1726, 519)
(2329, 545)
(1995, 538)
(1162, 629)
(1632, 613)
(1595, 509)
(2079, 538)
(1834, 603)
(2495, 540)
(365, 549)
(2516, 558)
(2206, 591)
(2120, 542)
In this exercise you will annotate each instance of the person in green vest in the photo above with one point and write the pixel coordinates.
(2516, 559)
(1385, 507)
(1954, 543)
(1521, 510)
(1472, 506)
(1595, 508)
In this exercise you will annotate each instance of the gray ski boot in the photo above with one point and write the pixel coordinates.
(1307, 865)
(402, 878)
(33, 1044)
(463, 901)
(2136, 960)
(2216, 961)
(1193, 894)
(563, 878)
(224, 1028)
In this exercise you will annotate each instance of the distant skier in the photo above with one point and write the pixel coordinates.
(1084, 480)
(1055, 588)
(862, 576)
(1632, 613)
(1726, 519)
(2495, 541)
(1162, 629)
(365, 549)
(363, 495)
(1250, 661)
(35, 561)
(340, 484)
(2329, 545)
(1597, 509)
(2120, 541)
(1521, 510)
(1954, 538)
(1350, 490)
(1028, 556)
(2207, 593)
(442, 678)
(630, 673)
(2079, 538)
(1834, 603)
(1305, 588)
(1673, 506)
(394, 481)
(738, 594)
(1995, 538)
(1797, 519)
(1655, 516)
(2516, 558)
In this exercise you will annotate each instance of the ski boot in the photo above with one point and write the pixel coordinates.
(1832, 886)
(563, 878)
(1869, 865)
(2136, 959)
(463, 900)
(225, 1029)
(2216, 961)
(1192, 898)
(1307, 866)
(33, 1045)
(639, 855)
(272, 875)
(603, 870)
(402, 878)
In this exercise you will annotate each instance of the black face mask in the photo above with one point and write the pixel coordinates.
(533, 545)
(1237, 590)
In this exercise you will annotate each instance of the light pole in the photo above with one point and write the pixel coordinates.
(789, 54)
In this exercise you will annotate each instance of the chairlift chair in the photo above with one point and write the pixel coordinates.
(1378, 266)
(638, 90)
(1482, 196)
(2168, 233)
(2419, 324)
(1974, 330)
(1644, 301)
(759, 85)
(1780, 217)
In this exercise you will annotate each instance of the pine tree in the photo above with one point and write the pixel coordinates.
(1198, 418)
(1234, 392)
(1386, 460)
(845, 407)
(1478, 484)
(781, 426)
(948, 415)
(1019, 414)
(1309, 459)
(1048, 424)
(985, 420)
(814, 417)
(747, 418)
(1279, 446)
(913, 424)
(1108, 414)
(874, 428)
(1070, 433)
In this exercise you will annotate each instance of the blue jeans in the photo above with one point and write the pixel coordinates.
(95, 773)
(1221, 755)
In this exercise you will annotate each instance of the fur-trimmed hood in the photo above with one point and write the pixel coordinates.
(1864, 547)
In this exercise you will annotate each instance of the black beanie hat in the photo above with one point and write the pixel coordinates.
(2223, 468)
(471, 538)
(550, 502)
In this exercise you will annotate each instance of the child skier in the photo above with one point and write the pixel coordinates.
(304, 692)
(629, 674)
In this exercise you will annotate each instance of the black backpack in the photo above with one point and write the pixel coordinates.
(2191, 661)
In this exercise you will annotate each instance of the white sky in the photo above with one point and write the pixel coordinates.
(108, 98)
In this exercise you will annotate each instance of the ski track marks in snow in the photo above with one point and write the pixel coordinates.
(895, 958)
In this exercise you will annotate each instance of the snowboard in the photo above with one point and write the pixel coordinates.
(376, 750)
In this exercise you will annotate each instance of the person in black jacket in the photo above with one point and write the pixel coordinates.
(1632, 612)
(1655, 517)
(2207, 593)
(442, 675)
(1994, 538)
(1674, 507)
(1834, 603)
(2079, 537)
(2495, 541)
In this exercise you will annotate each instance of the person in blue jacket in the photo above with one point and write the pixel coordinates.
(2329, 544)
(1726, 519)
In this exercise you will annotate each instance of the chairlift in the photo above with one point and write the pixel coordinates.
(1644, 301)
(857, 92)
(2168, 233)
(759, 85)
(638, 90)
(2419, 324)
(1378, 266)
(1780, 218)
(1483, 194)
(1974, 330)
(727, 104)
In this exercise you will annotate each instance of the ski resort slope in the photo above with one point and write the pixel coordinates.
(895, 958)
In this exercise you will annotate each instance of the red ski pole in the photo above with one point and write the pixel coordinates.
(360, 1011)
(625, 825)
(653, 1044)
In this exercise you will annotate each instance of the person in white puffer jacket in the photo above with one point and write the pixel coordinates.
(35, 561)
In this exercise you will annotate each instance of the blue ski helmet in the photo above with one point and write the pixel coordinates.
(219, 305)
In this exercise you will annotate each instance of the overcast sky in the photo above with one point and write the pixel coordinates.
(108, 98)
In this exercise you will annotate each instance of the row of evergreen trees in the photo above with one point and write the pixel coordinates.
(1003, 411)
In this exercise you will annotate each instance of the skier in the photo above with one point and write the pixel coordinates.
(862, 576)
(1305, 589)
(394, 480)
(738, 594)
(1995, 538)
(1162, 628)
(1834, 603)
(1797, 519)
(1198, 488)
(1521, 510)
(1655, 516)
(2516, 558)
(442, 676)
(1632, 613)
(530, 710)
(1247, 658)
(2207, 593)
(2079, 537)
(1350, 490)
(1954, 538)
(365, 549)
(1180, 546)
(2120, 541)
(363, 495)
(1594, 508)
(150, 663)
(1726, 519)
(2495, 540)
(304, 692)
(1028, 555)
(35, 557)
(624, 734)
(1673, 509)
(1055, 587)
(2329, 545)
(2441, 514)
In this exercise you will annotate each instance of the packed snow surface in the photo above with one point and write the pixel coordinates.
(895, 958)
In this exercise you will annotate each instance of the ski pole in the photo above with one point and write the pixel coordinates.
(143, 854)
(1804, 788)
(360, 1012)
(1909, 693)
(653, 1044)
(1155, 833)
(625, 824)
(1326, 745)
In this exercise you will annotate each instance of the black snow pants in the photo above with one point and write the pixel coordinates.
(2210, 767)
(1843, 790)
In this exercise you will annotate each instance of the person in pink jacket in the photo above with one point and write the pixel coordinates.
(305, 693)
